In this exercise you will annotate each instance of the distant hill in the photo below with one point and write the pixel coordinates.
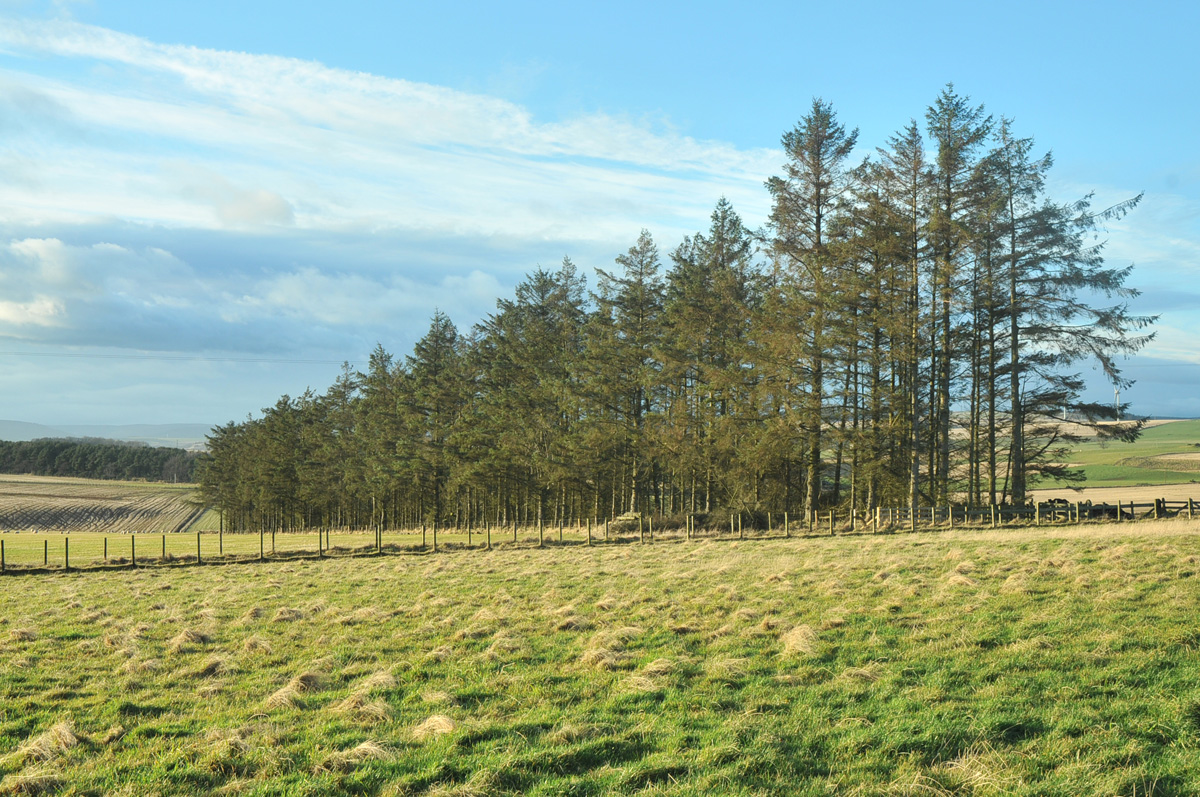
(171, 435)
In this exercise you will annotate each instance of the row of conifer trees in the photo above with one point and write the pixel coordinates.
(906, 330)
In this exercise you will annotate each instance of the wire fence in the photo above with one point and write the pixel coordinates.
(43, 553)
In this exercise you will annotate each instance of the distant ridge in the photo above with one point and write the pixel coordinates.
(171, 435)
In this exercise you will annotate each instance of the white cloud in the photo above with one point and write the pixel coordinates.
(284, 140)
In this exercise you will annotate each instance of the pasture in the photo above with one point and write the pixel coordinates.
(1032, 662)
(1167, 453)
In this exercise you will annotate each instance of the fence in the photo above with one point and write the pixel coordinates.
(99, 551)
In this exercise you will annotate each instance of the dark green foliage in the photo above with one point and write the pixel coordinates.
(905, 331)
(97, 459)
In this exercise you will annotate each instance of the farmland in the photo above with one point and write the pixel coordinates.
(1049, 661)
(1163, 463)
(49, 504)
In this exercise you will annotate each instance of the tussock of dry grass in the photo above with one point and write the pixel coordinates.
(959, 580)
(255, 644)
(36, 781)
(287, 615)
(22, 635)
(381, 679)
(360, 707)
(45, 746)
(214, 666)
(436, 725)
(182, 642)
(660, 667)
(800, 641)
(347, 760)
(439, 698)
(289, 696)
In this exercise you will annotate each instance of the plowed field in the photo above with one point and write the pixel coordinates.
(46, 503)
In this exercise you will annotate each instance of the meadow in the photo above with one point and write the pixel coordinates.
(57, 504)
(1031, 662)
(1166, 453)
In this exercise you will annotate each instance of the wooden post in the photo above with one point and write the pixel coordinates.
(435, 531)
(741, 530)
(687, 525)
(164, 546)
(787, 531)
(133, 550)
(1189, 509)
(1037, 514)
(468, 531)
(731, 528)
(198, 548)
(950, 515)
(589, 530)
(260, 543)
(66, 553)
(541, 531)
(641, 528)
(650, 525)
(561, 522)
(221, 542)
(106, 550)
(606, 529)
(768, 523)
(2, 565)
(45, 553)
(831, 522)
(272, 542)
(912, 518)
(488, 527)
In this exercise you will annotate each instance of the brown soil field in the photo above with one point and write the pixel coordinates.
(47, 503)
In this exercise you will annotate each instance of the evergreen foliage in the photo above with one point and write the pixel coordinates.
(97, 459)
(906, 330)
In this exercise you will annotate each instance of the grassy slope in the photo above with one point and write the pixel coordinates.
(1132, 464)
(1059, 662)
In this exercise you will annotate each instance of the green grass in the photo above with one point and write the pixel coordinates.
(1050, 662)
(1144, 462)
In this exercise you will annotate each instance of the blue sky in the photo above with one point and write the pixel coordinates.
(206, 205)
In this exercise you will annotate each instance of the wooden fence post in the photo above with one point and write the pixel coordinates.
(66, 553)
(1189, 509)
(830, 522)
(133, 550)
(260, 543)
(787, 530)
(741, 528)
(589, 532)
(650, 524)
(164, 546)
(2, 557)
(45, 553)
(950, 515)
(221, 542)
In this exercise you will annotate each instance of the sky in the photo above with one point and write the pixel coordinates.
(205, 206)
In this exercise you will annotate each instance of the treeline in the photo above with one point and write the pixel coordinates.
(904, 331)
(97, 459)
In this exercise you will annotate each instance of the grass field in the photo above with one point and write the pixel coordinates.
(1166, 453)
(1043, 662)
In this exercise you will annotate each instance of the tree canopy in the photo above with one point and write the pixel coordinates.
(906, 330)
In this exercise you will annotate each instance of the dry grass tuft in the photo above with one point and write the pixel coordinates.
(964, 567)
(569, 733)
(440, 653)
(347, 760)
(22, 635)
(287, 615)
(255, 644)
(381, 679)
(684, 628)
(37, 781)
(436, 725)
(959, 580)
(800, 641)
(660, 667)
(641, 683)
(604, 659)
(114, 734)
(360, 707)
(47, 745)
(182, 642)
(573, 623)
(438, 698)
(289, 696)
(870, 673)
(214, 666)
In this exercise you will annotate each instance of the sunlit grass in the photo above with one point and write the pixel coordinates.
(1050, 661)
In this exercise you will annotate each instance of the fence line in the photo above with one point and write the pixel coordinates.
(284, 547)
